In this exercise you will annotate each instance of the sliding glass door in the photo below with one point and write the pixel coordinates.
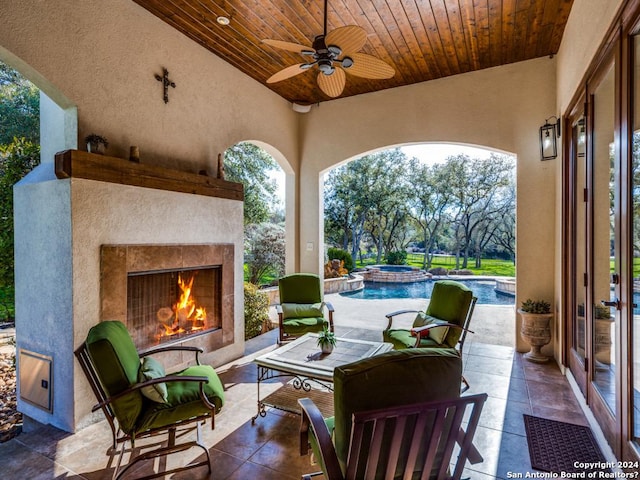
(594, 242)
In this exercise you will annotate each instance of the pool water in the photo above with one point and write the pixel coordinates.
(393, 268)
(485, 290)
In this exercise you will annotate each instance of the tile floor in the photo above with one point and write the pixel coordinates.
(269, 449)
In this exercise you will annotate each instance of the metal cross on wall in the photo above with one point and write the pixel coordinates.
(166, 83)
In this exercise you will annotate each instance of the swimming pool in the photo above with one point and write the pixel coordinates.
(485, 290)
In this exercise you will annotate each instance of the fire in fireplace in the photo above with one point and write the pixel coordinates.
(171, 305)
(170, 293)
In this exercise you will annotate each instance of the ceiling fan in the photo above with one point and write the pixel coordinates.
(334, 53)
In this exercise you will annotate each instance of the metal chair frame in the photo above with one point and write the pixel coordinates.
(172, 431)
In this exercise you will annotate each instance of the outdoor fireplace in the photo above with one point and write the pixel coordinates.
(170, 293)
(82, 238)
(171, 305)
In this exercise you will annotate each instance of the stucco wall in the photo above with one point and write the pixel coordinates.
(500, 108)
(102, 57)
(44, 298)
(586, 27)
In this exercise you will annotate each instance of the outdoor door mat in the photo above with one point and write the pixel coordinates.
(562, 447)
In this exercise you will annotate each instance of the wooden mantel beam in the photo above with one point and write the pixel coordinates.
(90, 166)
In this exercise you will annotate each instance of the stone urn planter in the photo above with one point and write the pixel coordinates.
(536, 328)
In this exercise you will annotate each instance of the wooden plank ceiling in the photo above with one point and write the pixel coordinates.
(421, 39)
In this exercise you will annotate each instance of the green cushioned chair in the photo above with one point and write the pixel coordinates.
(124, 390)
(301, 308)
(445, 323)
(401, 389)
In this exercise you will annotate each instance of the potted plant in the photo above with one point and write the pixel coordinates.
(326, 340)
(535, 330)
(96, 143)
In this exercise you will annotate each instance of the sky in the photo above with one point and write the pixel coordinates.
(438, 152)
(427, 152)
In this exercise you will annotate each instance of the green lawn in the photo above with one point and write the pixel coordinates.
(493, 267)
(490, 267)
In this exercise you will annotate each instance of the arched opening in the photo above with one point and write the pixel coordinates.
(441, 211)
(264, 215)
(266, 225)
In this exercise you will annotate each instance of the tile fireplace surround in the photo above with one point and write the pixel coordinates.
(61, 225)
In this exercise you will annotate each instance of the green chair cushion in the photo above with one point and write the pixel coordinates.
(301, 310)
(117, 363)
(401, 339)
(149, 370)
(394, 378)
(297, 326)
(183, 400)
(300, 288)
(450, 301)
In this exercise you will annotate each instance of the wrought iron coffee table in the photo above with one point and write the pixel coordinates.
(307, 366)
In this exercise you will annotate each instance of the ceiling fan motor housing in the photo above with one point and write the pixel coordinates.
(326, 66)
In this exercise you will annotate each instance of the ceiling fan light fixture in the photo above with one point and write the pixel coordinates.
(347, 62)
(326, 67)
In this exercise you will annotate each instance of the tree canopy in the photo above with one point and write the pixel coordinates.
(19, 153)
(386, 202)
(19, 107)
(264, 246)
(250, 165)
(264, 251)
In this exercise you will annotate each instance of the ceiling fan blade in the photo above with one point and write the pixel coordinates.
(291, 47)
(350, 38)
(368, 66)
(288, 72)
(333, 84)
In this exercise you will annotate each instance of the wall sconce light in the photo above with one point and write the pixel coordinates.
(549, 132)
